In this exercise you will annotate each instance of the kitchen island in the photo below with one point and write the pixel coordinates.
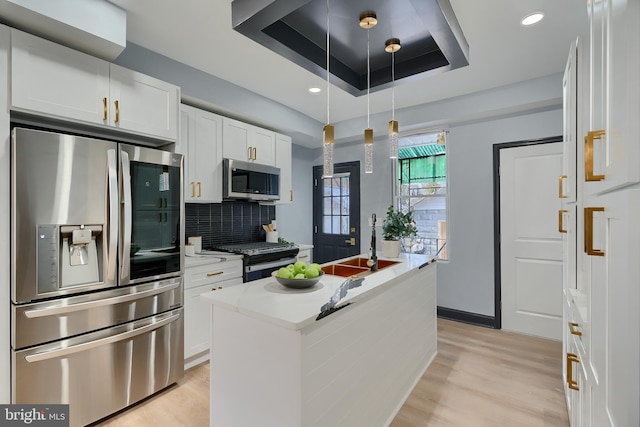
(274, 364)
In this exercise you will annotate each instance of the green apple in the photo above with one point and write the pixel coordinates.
(284, 273)
(300, 267)
(313, 264)
(290, 268)
(299, 276)
(311, 272)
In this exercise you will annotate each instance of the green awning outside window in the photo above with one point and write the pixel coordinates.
(423, 169)
(420, 151)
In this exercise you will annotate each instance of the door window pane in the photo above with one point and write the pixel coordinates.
(335, 212)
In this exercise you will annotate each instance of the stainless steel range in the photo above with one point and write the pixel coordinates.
(262, 258)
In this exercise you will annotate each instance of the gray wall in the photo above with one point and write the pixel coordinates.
(526, 110)
(466, 281)
(295, 220)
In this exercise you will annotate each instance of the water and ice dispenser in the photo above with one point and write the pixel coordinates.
(69, 255)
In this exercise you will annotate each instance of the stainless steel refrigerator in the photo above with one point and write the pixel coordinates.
(97, 266)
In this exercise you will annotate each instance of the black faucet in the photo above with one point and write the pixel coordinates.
(373, 261)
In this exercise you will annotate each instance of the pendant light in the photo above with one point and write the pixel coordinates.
(327, 131)
(368, 20)
(392, 46)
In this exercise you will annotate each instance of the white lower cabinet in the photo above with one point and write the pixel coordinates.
(602, 373)
(199, 279)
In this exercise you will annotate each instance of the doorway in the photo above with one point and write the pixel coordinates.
(336, 213)
(528, 247)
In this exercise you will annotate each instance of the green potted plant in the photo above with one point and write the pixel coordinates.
(396, 226)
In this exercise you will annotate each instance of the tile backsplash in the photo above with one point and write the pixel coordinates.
(227, 222)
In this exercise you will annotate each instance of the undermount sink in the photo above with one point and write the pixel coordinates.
(355, 266)
(362, 262)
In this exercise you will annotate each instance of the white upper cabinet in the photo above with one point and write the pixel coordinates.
(56, 81)
(283, 161)
(612, 152)
(201, 144)
(141, 103)
(248, 143)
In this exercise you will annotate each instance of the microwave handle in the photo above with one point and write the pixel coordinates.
(126, 218)
(112, 185)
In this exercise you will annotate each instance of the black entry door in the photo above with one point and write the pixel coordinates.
(336, 213)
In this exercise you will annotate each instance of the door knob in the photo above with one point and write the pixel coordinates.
(351, 241)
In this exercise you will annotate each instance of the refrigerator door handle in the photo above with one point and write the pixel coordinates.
(69, 308)
(38, 357)
(126, 218)
(112, 186)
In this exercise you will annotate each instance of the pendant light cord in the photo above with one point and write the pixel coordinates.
(393, 86)
(368, 79)
(328, 121)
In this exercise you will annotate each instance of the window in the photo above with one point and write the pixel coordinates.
(422, 179)
(335, 204)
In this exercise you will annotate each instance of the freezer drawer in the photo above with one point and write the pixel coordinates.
(102, 372)
(53, 320)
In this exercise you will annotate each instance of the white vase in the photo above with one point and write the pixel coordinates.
(391, 248)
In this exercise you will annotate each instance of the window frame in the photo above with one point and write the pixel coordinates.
(445, 254)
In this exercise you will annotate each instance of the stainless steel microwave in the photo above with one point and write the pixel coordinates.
(250, 181)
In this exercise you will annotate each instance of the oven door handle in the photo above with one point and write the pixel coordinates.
(63, 309)
(266, 265)
(38, 357)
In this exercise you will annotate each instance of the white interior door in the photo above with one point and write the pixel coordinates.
(531, 246)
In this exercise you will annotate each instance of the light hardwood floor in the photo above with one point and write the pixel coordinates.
(480, 378)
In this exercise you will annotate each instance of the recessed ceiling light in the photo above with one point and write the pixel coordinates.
(532, 18)
(314, 89)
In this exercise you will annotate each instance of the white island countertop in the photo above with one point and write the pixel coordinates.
(295, 309)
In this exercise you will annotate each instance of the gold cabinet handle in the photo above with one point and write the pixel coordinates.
(217, 273)
(560, 190)
(588, 231)
(351, 241)
(104, 108)
(561, 228)
(573, 328)
(588, 155)
(117, 111)
(291, 195)
(193, 189)
(250, 151)
(573, 385)
(255, 153)
(199, 189)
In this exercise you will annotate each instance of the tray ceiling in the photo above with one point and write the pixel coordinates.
(431, 39)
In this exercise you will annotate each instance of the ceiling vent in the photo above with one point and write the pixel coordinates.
(96, 27)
